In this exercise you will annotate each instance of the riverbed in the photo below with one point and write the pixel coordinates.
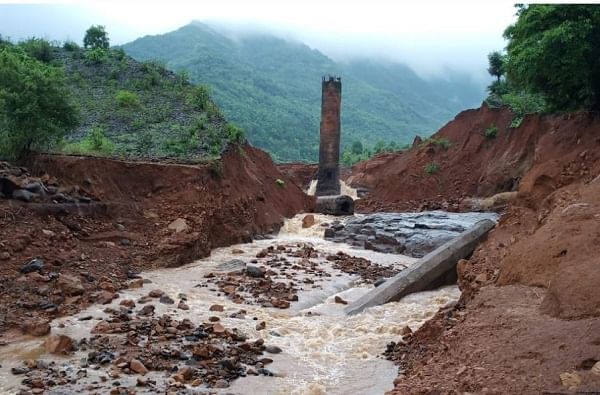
(323, 351)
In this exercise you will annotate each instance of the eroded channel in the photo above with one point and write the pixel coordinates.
(315, 348)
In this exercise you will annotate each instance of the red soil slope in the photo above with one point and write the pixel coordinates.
(473, 165)
(223, 203)
(529, 316)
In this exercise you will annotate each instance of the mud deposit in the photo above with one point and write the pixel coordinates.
(262, 317)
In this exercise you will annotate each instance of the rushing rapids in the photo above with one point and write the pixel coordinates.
(321, 349)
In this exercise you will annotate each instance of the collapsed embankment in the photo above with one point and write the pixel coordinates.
(459, 162)
(142, 215)
(529, 315)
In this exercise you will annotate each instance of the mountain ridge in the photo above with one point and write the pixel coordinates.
(270, 87)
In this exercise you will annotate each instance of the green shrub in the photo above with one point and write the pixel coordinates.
(38, 48)
(199, 98)
(491, 132)
(95, 143)
(127, 99)
(441, 142)
(432, 168)
(71, 46)
(96, 56)
(235, 135)
(118, 53)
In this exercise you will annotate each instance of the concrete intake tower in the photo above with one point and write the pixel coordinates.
(329, 149)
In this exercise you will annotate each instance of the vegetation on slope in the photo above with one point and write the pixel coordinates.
(552, 60)
(271, 87)
(109, 103)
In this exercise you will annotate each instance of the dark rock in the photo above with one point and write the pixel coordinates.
(273, 349)
(379, 282)
(166, 299)
(254, 271)
(329, 233)
(35, 265)
(23, 195)
(36, 187)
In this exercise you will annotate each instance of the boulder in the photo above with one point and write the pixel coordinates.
(179, 225)
(308, 221)
(137, 366)
(36, 327)
(59, 344)
(35, 265)
(254, 271)
(23, 195)
(70, 285)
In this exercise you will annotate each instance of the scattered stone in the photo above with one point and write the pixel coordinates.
(339, 300)
(166, 299)
(221, 384)
(136, 283)
(218, 328)
(70, 285)
(216, 307)
(260, 326)
(308, 221)
(179, 225)
(379, 282)
(156, 293)
(58, 344)
(129, 303)
(213, 319)
(23, 195)
(182, 305)
(596, 369)
(4, 256)
(570, 380)
(273, 349)
(254, 271)
(35, 265)
(237, 251)
(147, 310)
(138, 367)
(36, 327)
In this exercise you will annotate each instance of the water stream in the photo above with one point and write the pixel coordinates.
(324, 351)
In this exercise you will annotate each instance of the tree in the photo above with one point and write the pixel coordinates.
(34, 104)
(357, 147)
(96, 37)
(554, 50)
(496, 65)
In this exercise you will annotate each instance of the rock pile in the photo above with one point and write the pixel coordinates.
(17, 184)
(413, 234)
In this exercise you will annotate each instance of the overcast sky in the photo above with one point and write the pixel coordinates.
(430, 36)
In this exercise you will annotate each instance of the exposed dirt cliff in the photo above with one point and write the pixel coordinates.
(529, 317)
(142, 215)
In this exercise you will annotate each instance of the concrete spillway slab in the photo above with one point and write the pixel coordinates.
(426, 270)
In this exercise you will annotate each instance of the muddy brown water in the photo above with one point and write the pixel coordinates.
(324, 351)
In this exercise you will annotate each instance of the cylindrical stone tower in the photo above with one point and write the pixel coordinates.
(329, 149)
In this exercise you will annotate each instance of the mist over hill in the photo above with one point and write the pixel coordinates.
(271, 88)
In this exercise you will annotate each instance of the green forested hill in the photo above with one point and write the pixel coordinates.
(272, 88)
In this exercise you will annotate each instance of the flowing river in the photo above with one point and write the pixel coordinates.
(323, 350)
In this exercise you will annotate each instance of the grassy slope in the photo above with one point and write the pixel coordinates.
(163, 122)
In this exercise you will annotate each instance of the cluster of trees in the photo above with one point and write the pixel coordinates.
(552, 60)
(36, 110)
(357, 152)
